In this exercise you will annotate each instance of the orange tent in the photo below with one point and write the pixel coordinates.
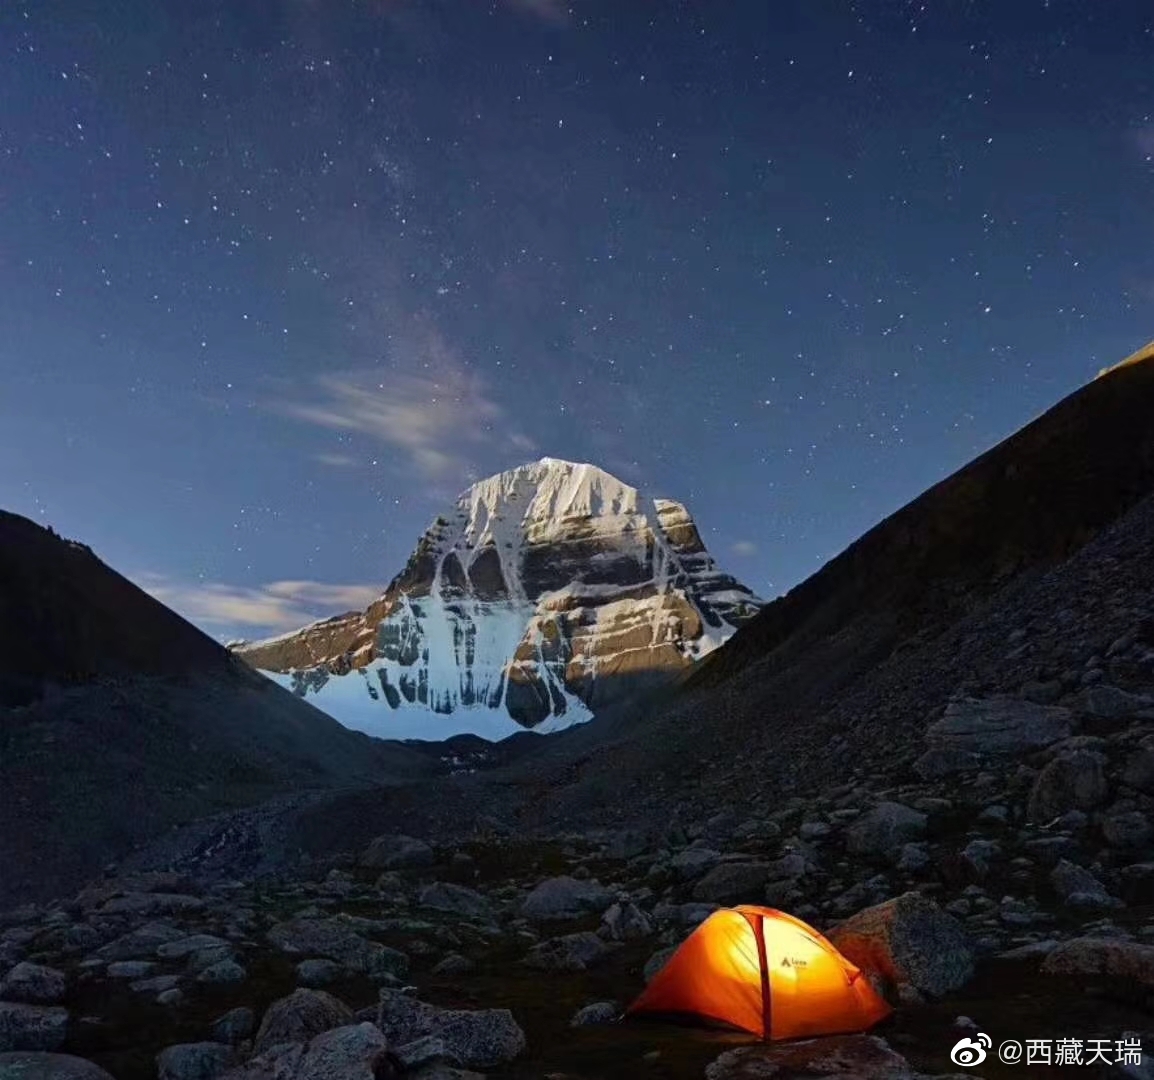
(765, 972)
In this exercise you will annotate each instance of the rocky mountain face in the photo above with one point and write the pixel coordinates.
(119, 719)
(550, 592)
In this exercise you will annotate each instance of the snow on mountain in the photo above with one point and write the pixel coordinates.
(551, 590)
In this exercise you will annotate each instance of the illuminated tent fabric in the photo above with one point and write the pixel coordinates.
(765, 972)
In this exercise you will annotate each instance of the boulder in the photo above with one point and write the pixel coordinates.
(600, 1012)
(482, 1038)
(32, 1027)
(188, 946)
(909, 941)
(1109, 702)
(317, 973)
(1126, 829)
(141, 943)
(397, 853)
(1138, 772)
(657, 961)
(1090, 956)
(1077, 887)
(299, 1017)
(565, 898)
(883, 829)
(572, 952)
(972, 730)
(693, 862)
(453, 964)
(194, 1061)
(625, 921)
(850, 1057)
(1070, 781)
(349, 1052)
(334, 940)
(234, 1025)
(37, 1065)
(456, 900)
(33, 984)
(733, 883)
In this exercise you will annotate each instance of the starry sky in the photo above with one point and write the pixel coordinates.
(278, 278)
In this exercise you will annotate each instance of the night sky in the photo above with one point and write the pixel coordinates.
(278, 278)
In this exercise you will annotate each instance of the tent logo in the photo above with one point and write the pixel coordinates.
(787, 962)
(969, 1051)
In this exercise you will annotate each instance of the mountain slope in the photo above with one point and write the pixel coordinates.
(552, 590)
(119, 719)
(1048, 537)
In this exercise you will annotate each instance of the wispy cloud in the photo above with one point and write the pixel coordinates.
(274, 607)
(336, 461)
(432, 408)
(554, 11)
(744, 548)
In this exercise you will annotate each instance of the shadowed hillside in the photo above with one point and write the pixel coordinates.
(118, 719)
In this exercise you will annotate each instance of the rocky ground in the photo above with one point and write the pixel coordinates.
(515, 959)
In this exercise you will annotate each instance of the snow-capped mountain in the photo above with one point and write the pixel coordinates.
(550, 591)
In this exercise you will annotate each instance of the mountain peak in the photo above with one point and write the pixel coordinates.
(550, 589)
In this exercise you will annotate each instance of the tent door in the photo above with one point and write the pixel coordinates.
(763, 965)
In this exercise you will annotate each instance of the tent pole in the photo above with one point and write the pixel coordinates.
(763, 964)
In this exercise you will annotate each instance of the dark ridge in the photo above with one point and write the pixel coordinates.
(1032, 500)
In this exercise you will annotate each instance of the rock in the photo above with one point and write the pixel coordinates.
(456, 900)
(149, 904)
(565, 898)
(1077, 887)
(913, 857)
(130, 969)
(222, 973)
(397, 853)
(1139, 770)
(851, 1057)
(1129, 829)
(186, 946)
(1109, 702)
(600, 1012)
(317, 973)
(155, 984)
(972, 730)
(908, 939)
(194, 1061)
(423, 1052)
(299, 1017)
(332, 940)
(31, 1027)
(977, 856)
(572, 952)
(234, 1025)
(454, 964)
(350, 1052)
(36, 1065)
(625, 921)
(733, 883)
(33, 984)
(1089, 956)
(693, 863)
(1075, 780)
(883, 828)
(141, 943)
(481, 1038)
(657, 961)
